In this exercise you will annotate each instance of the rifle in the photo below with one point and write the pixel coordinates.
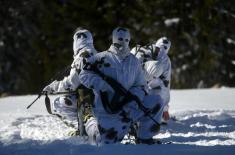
(57, 76)
(128, 96)
(39, 95)
(46, 94)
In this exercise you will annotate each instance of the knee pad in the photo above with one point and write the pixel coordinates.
(69, 101)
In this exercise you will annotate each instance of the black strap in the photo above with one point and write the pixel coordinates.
(48, 104)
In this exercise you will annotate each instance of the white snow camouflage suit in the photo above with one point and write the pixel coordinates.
(66, 106)
(126, 70)
(157, 68)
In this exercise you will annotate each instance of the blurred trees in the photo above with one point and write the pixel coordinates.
(36, 37)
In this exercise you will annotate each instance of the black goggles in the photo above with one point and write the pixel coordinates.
(121, 39)
(81, 35)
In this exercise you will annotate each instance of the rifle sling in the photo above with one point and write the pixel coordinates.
(48, 104)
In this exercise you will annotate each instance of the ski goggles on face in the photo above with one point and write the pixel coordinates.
(121, 39)
(165, 42)
(81, 35)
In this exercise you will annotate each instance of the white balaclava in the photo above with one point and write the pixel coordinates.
(121, 40)
(164, 43)
(81, 38)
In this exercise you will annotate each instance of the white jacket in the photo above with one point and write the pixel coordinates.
(127, 71)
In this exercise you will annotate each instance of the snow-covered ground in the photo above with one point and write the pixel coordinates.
(205, 124)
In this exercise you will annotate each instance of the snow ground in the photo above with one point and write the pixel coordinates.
(205, 124)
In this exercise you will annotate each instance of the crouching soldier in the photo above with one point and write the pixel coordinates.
(118, 82)
(68, 106)
(157, 66)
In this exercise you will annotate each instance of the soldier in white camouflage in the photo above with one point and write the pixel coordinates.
(67, 106)
(114, 112)
(157, 67)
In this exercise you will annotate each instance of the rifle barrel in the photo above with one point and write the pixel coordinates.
(39, 95)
